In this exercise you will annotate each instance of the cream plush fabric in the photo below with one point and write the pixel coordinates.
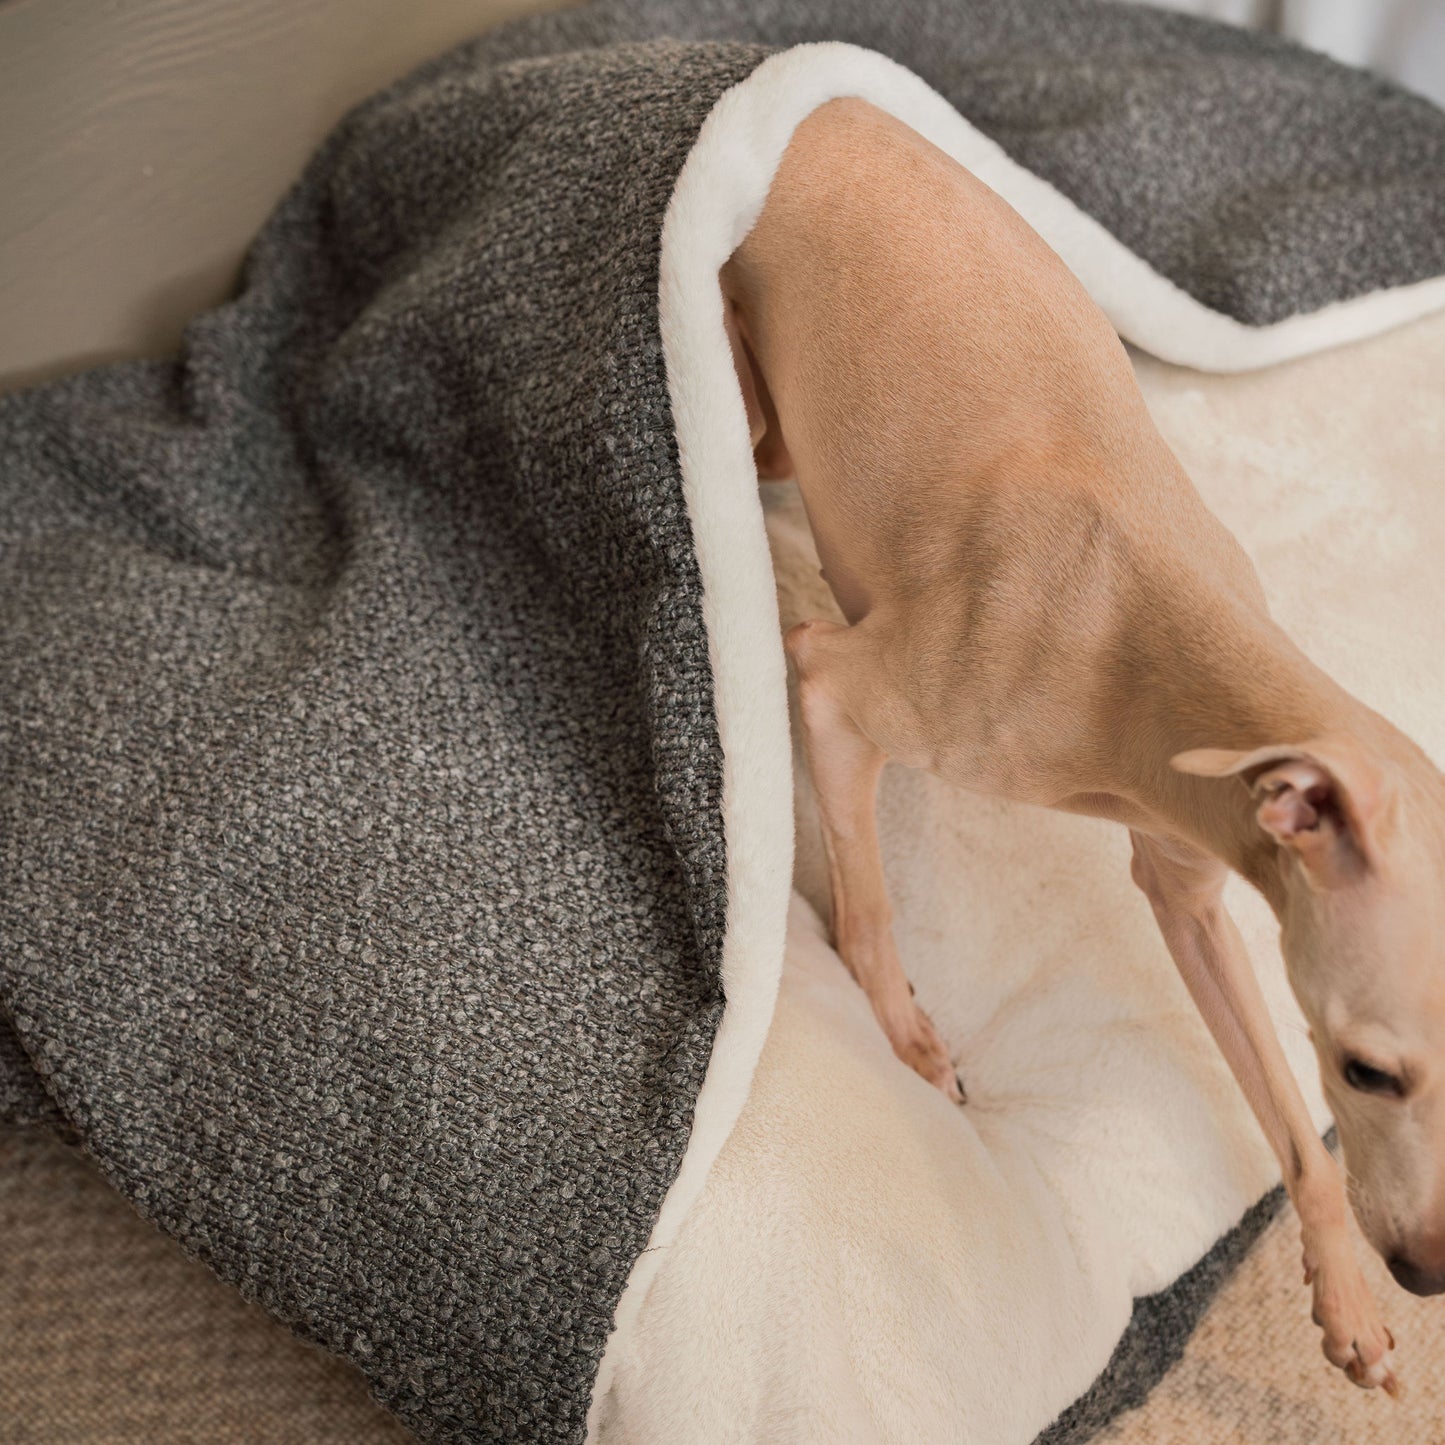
(867, 1262)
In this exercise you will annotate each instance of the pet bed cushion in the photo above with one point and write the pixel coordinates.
(395, 835)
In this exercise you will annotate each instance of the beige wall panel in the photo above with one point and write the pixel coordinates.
(143, 142)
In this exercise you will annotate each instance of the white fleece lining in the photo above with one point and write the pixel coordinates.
(718, 197)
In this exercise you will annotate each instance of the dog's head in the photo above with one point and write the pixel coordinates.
(1359, 845)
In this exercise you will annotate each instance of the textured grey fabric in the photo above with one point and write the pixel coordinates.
(1264, 179)
(362, 875)
(362, 867)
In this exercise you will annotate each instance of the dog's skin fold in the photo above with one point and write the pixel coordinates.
(1041, 606)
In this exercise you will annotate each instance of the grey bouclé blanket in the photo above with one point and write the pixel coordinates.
(365, 865)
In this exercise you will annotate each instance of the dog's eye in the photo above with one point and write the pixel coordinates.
(1370, 1080)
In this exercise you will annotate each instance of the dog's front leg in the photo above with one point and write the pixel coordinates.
(844, 765)
(1185, 886)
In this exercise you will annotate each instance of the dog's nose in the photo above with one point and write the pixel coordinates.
(1418, 1281)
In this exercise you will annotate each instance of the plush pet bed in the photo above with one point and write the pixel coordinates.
(399, 774)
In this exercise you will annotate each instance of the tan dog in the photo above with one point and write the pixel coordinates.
(1042, 607)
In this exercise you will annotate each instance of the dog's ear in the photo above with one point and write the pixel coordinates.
(1324, 800)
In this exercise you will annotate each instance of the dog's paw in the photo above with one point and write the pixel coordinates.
(917, 1043)
(1355, 1339)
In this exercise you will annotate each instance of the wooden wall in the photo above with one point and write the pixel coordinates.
(143, 142)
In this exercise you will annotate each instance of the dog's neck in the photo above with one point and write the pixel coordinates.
(1240, 684)
(1200, 663)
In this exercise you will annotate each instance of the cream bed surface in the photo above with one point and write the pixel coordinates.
(868, 1262)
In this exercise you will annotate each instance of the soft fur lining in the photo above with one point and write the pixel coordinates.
(719, 194)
